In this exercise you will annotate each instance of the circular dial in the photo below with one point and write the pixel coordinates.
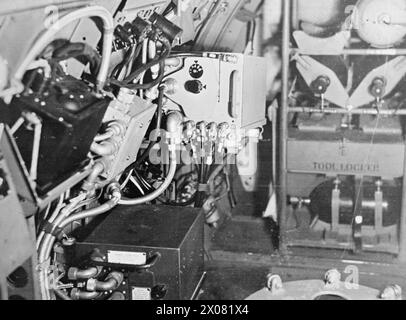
(196, 70)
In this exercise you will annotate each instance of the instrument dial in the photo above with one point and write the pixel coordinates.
(196, 70)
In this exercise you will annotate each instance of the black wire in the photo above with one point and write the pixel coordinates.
(143, 181)
(200, 194)
(127, 82)
(79, 51)
(130, 56)
(165, 54)
(192, 200)
(145, 86)
(145, 154)
(161, 61)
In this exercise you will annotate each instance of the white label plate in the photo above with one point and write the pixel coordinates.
(141, 293)
(127, 258)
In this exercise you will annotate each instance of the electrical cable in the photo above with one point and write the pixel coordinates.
(162, 188)
(190, 201)
(143, 181)
(61, 222)
(130, 55)
(173, 121)
(153, 83)
(78, 51)
(48, 34)
(137, 184)
(157, 60)
(127, 82)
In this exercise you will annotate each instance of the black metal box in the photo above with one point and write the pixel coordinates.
(128, 233)
(70, 121)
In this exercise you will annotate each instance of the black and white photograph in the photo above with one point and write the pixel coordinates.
(202, 157)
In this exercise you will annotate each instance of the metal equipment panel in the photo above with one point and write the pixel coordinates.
(174, 233)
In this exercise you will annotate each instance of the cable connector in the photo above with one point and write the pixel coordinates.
(169, 29)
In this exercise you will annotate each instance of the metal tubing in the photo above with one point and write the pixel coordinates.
(114, 129)
(107, 285)
(92, 212)
(104, 149)
(65, 219)
(112, 282)
(173, 123)
(402, 229)
(36, 151)
(61, 295)
(295, 15)
(344, 111)
(77, 294)
(353, 52)
(90, 183)
(78, 274)
(117, 296)
(105, 136)
(152, 196)
(283, 130)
